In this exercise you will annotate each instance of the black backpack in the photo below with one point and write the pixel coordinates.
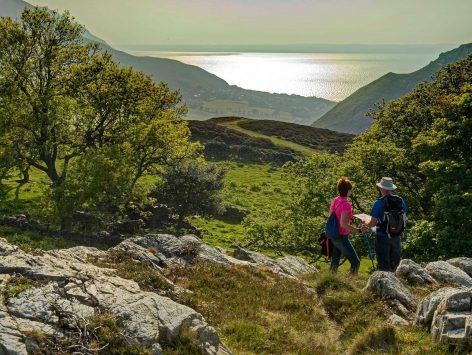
(393, 223)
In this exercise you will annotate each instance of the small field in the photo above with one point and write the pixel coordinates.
(248, 188)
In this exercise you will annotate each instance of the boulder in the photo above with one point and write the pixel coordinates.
(388, 287)
(445, 272)
(413, 273)
(452, 320)
(465, 264)
(427, 307)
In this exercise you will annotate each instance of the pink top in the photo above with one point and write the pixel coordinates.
(340, 205)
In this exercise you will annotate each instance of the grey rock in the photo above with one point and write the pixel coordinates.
(397, 320)
(156, 259)
(6, 248)
(36, 304)
(11, 339)
(450, 313)
(290, 266)
(445, 272)
(72, 289)
(465, 264)
(388, 287)
(427, 307)
(174, 251)
(413, 273)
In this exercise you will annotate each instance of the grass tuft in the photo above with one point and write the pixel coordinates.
(381, 339)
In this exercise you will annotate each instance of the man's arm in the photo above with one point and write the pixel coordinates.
(372, 222)
(375, 214)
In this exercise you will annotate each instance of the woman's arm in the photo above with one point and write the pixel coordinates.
(344, 223)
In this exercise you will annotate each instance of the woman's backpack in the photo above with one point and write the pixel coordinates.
(332, 227)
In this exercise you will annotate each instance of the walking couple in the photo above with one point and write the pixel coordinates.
(388, 216)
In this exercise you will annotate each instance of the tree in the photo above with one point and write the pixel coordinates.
(70, 98)
(192, 187)
(36, 57)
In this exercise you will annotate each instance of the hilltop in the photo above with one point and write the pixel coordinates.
(349, 115)
(263, 141)
(206, 94)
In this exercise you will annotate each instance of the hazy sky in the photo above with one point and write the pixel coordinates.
(272, 21)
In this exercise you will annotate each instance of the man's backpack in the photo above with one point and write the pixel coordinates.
(393, 223)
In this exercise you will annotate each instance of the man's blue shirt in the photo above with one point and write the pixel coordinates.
(378, 213)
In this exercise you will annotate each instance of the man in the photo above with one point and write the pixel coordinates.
(388, 215)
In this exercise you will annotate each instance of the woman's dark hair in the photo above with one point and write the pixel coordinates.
(343, 185)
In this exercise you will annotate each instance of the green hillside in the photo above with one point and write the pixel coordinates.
(349, 115)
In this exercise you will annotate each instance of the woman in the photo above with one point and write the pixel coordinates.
(343, 210)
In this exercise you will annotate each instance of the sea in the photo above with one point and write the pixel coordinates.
(332, 76)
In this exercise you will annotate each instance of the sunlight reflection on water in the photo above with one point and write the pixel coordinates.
(332, 76)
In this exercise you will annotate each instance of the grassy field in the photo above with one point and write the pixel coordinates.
(248, 188)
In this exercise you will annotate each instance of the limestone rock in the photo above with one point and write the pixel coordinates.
(413, 273)
(453, 319)
(445, 272)
(397, 320)
(427, 307)
(387, 286)
(465, 264)
(11, 339)
(288, 266)
(72, 289)
(174, 251)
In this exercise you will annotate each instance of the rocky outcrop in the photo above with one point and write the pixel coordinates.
(465, 264)
(427, 307)
(447, 273)
(66, 287)
(171, 251)
(413, 273)
(71, 288)
(448, 312)
(388, 287)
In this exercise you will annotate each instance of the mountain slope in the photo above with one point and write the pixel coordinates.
(205, 94)
(349, 115)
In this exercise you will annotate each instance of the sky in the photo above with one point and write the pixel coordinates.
(272, 22)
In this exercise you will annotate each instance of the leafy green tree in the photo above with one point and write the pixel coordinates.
(69, 97)
(72, 112)
(191, 187)
(36, 57)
